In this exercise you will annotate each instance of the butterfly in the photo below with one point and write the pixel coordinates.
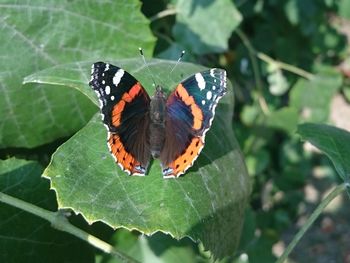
(141, 127)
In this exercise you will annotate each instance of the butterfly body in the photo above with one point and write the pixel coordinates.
(169, 128)
(157, 125)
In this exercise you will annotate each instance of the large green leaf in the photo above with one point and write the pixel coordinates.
(206, 204)
(334, 142)
(205, 26)
(42, 33)
(77, 75)
(28, 238)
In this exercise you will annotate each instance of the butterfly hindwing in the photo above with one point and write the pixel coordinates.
(190, 111)
(124, 108)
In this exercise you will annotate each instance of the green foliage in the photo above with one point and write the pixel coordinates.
(157, 248)
(278, 96)
(219, 18)
(285, 119)
(334, 142)
(40, 34)
(344, 9)
(313, 97)
(25, 236)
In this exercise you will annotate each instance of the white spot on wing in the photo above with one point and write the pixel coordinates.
(200, 81)
(112, 98)
(203, 102)
(209, 95)
(214, 88)
(118, 76)
(103, 82)
(170, 176)
(107, 67)
(108, 90)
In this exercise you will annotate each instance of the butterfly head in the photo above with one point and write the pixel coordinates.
(159, 91)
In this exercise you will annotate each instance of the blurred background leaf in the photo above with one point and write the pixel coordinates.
(41, 34)
(313, 98)
(219, 18)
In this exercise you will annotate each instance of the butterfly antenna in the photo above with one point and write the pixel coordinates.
(178, 61)
(144, 61)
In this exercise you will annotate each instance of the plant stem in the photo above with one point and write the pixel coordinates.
(336, 191)
(258, 82)
(164, 13)
(285, 66)
(60, 222)
(257, 77)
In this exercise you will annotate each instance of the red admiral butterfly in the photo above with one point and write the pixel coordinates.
(140, 127)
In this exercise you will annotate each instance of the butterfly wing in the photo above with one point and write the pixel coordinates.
(124, 108)
(190, 112)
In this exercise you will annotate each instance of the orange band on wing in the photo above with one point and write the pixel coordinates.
(126, 98)
(184, 161)
(125, 159)
(117, 112)
(189, 101)
(133, 92)
(198, 116)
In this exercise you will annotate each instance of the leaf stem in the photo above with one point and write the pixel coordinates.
(164, 13)
(285, 66)
(60, 222)
(336, 191)
(257, 77)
